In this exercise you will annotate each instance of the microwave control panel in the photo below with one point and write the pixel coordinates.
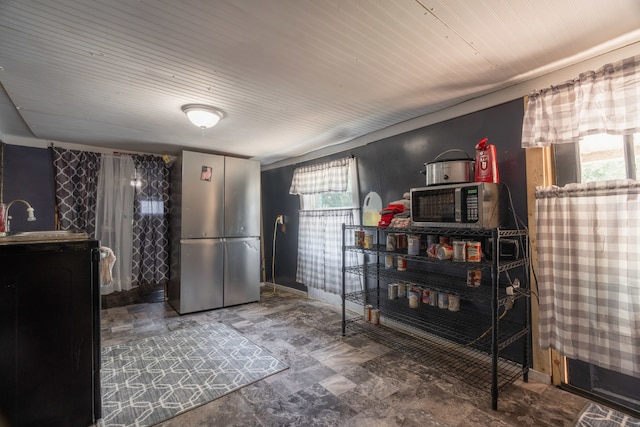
(471, 201)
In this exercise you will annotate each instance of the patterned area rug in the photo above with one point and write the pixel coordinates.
(148, 381)
(594, 415)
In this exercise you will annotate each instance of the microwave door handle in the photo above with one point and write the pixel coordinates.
(458, 205)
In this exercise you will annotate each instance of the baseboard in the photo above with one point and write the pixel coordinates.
(539, 377)
(286, 289)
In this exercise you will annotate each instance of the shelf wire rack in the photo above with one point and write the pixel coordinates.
(461, 362)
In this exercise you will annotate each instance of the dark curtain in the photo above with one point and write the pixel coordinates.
(150, 221)
(76, 178)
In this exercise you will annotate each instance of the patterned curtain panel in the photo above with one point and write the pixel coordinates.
(589, 272)
(150, 226)
(321, 178)
(76, 178)
(320, 249)
(602, 101)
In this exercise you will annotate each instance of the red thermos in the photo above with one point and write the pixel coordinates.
(486, 162)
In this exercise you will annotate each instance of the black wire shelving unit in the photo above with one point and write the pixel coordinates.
(469, 344)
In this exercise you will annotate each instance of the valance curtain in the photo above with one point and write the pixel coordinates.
(588, 238)
(150, 223)
(606, 101)
(321, 178)
(76, 178)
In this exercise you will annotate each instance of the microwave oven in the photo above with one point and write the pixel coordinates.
(469, 205)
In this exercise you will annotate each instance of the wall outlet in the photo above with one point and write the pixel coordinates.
(280, 219)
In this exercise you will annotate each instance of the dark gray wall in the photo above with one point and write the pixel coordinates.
(391, 167)
(28, 174)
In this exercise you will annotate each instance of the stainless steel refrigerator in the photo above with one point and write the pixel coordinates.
(215, 232)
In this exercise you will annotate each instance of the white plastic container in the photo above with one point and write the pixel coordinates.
(371, 209)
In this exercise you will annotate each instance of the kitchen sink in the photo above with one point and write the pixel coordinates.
(44, 236)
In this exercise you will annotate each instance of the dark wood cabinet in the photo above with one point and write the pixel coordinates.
(50, 334)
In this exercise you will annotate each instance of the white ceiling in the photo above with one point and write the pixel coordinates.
(292, 76)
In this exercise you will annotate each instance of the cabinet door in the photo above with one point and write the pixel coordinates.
(54, 351)
(7, 347)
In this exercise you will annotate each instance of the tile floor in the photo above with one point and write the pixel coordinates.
(336, 381)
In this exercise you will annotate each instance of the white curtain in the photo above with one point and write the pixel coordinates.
(114, 217)
(588, 238)
(606, 101)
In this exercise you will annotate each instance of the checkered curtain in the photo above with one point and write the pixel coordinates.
(320, 249)
(150, 223)
(320, 231)
(597, 102)
(321, 178)
(588, 238)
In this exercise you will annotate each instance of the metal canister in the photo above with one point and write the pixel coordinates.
(454, 303)
(474, 251)
(393, 291)
(391, 242)
(402, 290)
(426, 296)
(402, 263)
(413, 244)
(367, 312)
(474, 277)
(443, 300)
(401, 241)
(459, 250)
(375, 316)
(413, 301)
(433, 301)
(368, 241)
(388, 261)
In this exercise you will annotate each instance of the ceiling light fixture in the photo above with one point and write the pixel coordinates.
(202, 116)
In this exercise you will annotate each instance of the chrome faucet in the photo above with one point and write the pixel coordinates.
(30, 212)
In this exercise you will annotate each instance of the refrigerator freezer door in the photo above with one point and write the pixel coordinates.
(242, 198)
(202, 195)
(241, 271)
(201, 281)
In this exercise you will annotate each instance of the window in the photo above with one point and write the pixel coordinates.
(581, 291)
(328, 198)
(151, 207)
(599, 157)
